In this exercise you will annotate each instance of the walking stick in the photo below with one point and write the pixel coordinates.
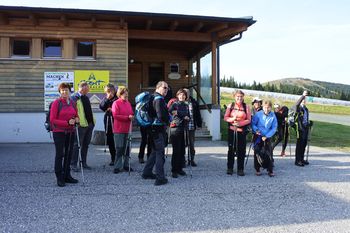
(128, 145)
(290, 142)
(186, 135)
(80, 159)
(250, 146)
(308, 143)
(106, 132)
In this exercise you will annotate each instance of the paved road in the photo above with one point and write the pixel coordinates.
(310, 199)
(338, 119)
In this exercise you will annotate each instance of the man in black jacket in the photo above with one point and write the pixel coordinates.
(158, 136)
(282, 129)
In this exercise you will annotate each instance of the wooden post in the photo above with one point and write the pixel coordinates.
(213, 73)
(5, 47)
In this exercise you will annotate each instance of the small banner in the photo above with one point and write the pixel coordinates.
(97, 79)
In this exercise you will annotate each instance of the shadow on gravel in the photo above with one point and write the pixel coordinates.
(209, 201)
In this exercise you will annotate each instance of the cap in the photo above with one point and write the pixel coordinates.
(256, 99)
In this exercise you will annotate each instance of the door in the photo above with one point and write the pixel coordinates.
(134, 81)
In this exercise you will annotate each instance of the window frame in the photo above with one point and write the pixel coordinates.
(12, 55)
(93, 57)
(52, 40)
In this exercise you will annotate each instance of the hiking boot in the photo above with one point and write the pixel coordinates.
(71, 180)
(271, 174)
(60, 183)
(116, 171)
(127, 169)
(174, 175)
(111, 163)
(305, 162)
(182, 173)
(74, 168)
(141, 160)
(240, 173)
(229, 171)
(161, 181)
(192, 163)
(299, 164)
(149, 176)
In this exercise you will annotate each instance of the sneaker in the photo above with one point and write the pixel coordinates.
(161, 181)
(229, 172)
(149, 176)
(127, 169)
(116, 171)
(271, 174)
(258, 173)
(71, 180)
(305, 162)
(174, 175)
(240, 173)
(283, 154)
(141, 160)
(182, 173)
(299, 164)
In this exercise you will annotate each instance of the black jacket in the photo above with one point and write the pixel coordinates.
(160, 111)
(196, 113)
(104, 105)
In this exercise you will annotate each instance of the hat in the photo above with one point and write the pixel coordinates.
(256, 99)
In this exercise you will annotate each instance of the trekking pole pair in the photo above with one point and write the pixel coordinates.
(79, 154)
(106, 132)
(187, 143)
(250, 147)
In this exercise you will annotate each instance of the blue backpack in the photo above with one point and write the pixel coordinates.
(144, 110)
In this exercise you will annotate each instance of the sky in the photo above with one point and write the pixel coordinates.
(299, 38)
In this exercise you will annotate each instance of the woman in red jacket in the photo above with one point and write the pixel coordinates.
(63, 117)
(123, 116)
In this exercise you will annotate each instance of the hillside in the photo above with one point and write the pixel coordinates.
(317, 88)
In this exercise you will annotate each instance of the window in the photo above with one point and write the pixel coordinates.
(21, 48)
(155, 73)
(85, 49)
(52, 48)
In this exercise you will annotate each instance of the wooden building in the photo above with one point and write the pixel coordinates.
(138, 50)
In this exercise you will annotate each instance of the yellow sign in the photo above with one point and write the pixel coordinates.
(97, 79)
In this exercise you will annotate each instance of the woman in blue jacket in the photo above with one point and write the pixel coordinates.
(264, 125)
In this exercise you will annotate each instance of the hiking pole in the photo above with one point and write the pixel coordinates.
(79, 154)
(290, 142)
(106, 132)
(188, 149)
(250, 147)
(128, 146)
(167, 150)
(308, 143)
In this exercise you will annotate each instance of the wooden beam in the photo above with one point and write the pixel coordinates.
(149, 24)
(93, 21)
(34, 19)
(213, 73)
(173, 25)
(4, 20)
(168, 35)
(218, 27)
(229, 32)
(198, 27)
(64, 20)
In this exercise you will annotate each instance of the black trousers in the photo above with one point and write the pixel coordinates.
(179, 149)
(64, 148)
(268, 148)
(301, 145)
(282, 134)
(145, 140)
(236, 147)
(110, 136)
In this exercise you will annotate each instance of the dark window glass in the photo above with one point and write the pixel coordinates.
(85, 49)
(20, 48)
(155, 74)
(52, 49)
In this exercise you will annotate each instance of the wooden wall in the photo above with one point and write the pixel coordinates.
(22, 80)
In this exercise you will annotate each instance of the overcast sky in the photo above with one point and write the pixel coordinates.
(299, 38)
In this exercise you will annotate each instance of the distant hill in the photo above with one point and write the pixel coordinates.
(317, 88)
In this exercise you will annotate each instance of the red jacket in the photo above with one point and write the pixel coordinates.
(59, 117)
(121, 110)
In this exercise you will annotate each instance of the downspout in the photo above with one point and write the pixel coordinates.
(218, 61)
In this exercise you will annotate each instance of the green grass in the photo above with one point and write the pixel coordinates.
(317, 108)
(327, 135)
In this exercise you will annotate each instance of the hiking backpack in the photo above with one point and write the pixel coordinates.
(246, 128)
(292, 117)
(144, 110)
(47, 123)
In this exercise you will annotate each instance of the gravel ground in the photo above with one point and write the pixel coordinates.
(309, 199)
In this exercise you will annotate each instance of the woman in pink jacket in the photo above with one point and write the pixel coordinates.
(63, 117)
(123, 115)
(238, 117)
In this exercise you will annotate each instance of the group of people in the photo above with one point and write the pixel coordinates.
(176, 120)
(266, 125)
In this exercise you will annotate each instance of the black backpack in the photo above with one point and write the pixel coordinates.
(47, 123)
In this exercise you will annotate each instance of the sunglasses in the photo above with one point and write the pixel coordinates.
(165, 88)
